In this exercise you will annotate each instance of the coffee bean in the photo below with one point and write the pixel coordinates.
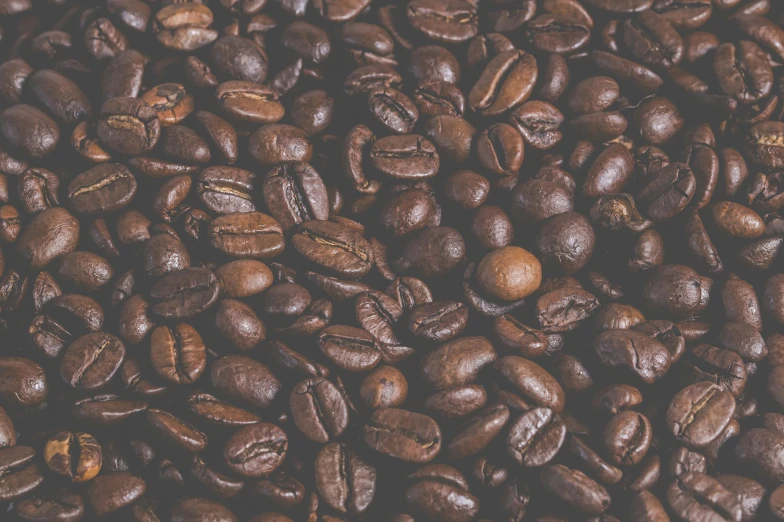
(92, 360)
(506, 82)
(335, 247)
(57, 505)
(21, 474)
(29, 131)
(405, 435)
(256, 450)
(575, 488)
(128, 125)
(698, 413)
(703, 495)
(104, 188)
(319, 409)
(76, 456)
(535, 437)
(245, 380)
(343, 479)
(178, 354)
(113, 491)
(439, 492)
(184, 294)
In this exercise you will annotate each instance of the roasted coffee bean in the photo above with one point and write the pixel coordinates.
(575, 488)
(406, 157)
(699, 413)
(408, 436)
(91, 361)
(104, 188)
(128, 125)
(177, 353)
(696, 494)
(344, 480)
(29, 131)
(256, 450)
(184, 294)
(76, 456)
(335, 247)
(535, 437)
(21, 474)
(249, 102)
(319, 409)
(643, 356)
(113, 491)
(246, 235)
(532, 382)
(57, 505)
(506, 82)
(295, 193)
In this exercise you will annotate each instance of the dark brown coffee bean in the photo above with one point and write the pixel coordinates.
(319, 409)
(277, 143)
(184, 27)
(334, 247)
(177, 353)
(57, 505)
(104, 188)
(535, 437)
(698, 413)
(246, 235)
(128, 125)
(91, 361)
(506, 82)
(627, 438)
(439, 492)
(408, 436)
(295, 193)
(702, 496)
(244, 380)
(21, 474)
(184, 294)
(574, 488)
(256, 450)
(344, 480)
(643, 356)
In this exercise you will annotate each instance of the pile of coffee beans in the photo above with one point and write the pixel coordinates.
(392, 260)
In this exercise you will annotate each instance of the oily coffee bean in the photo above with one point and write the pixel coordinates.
(432, 489)
(178, 354)
(184, 294)
(256, 450)
(335, 247)
(698, 413)
(704, 496)
(405, 435)
(113, 491)
(57, 505)
(344, 480)
(535, 437)
(104, 188)
(91, 361)
(506, 81)
(29, 131)
(21, 474)
(128, 126)
(246, 235)
(319, 409)
(295, 193)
